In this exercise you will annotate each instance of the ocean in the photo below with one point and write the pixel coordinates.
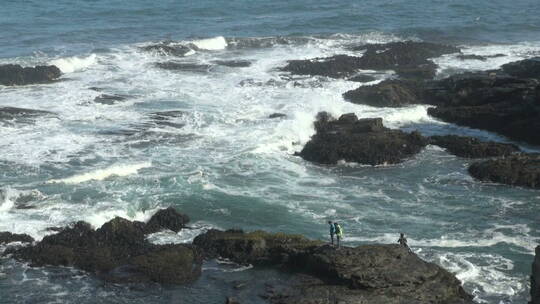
(221, 160)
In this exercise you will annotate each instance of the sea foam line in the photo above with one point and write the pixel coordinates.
(101, 174)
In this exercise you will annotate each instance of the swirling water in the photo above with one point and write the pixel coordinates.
(221, 160)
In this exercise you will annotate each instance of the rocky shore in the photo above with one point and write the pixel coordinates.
(119, 252)
(505, 101)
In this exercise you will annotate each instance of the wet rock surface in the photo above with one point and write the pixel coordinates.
(233, 63)
(528, 68)
(118, 251)
(365, 141)
(184, 66)
(409, 59)
(388, 93)
(19, 115)
(517, 170)
(109, 99)
(14, 74)
(8, 237)
(364, 274)
(470, 147)
(167, 49)
(535, 278)
(166, 219)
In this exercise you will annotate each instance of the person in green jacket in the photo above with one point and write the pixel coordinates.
(339, 233)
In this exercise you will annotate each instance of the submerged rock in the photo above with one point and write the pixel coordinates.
(181, 66)
(118, 251)
(8, 237)
(535, 278)
(362, 78)
(20, 115)
(364, 274)
(168, 49)
(277, 115)
(14, 74)
(109, 99)
(365, 141)
(517, 170)
(464, 146)
(233, 63)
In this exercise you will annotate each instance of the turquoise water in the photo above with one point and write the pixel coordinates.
(222, 161)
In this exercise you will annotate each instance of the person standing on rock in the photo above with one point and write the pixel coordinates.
(339, 233)
(332, 232)
(403, 241)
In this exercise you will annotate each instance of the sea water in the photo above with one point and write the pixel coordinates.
(222, 161)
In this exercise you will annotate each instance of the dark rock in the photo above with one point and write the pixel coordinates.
(365, 141)
(233, 63)
(365, 274)
(517, 170)
(409, 59)
(337, 66)
(8, 237)
(171, 264)
(167, 49)
(188, 67)
(14, 74)
(471, 57)
(388, 93)
(256, 247)
(231, 300)
(277, 115)
(362, 78)
(479, 57)
(491, 101)
(19, 115)
(528, 68)
(386, 56)
(109, 99)
(166, 219)
(470, 147)
(118, 251)
(535, 278)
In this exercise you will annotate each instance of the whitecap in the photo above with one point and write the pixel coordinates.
(74, 64)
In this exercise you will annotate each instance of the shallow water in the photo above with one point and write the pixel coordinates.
(222, 161)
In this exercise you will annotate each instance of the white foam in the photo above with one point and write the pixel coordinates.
(74, 64)
(211, 44)
(101, 174)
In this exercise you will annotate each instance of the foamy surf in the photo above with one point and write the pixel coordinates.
(74, 64)
(101, 174)
(211, 44)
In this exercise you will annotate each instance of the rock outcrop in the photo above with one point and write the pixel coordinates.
(118, 251)
(365, 141)
(8, 237)
(387, 93)
(364, 274)
(528, 68)
(470, 147)
(535, 278)
(14, 74)
(517, 170)
(166, 219)
(409, 59)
